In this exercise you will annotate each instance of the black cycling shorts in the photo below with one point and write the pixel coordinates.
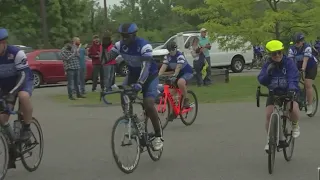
(270, 100)
(311, 73)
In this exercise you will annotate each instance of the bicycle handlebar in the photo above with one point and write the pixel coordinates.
(285, 97)
(123, 90)
(4, 107)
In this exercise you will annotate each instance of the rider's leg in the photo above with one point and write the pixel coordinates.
(294, 117)
(309, 77)
(26, 108)
(182, 84)
(149, 95)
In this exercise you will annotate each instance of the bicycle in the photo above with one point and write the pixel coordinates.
(302, 98)
(280, 112)
(136, 128)
(17, 148)
(171, 99)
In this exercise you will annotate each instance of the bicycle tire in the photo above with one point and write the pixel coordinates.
(149, 144)
(317, 101)
(195, 106)
(272, 142)
(288, 153)
(41, 144)
(4, 171)
(168, 110)
(130, 169)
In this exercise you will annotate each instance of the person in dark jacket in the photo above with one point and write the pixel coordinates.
(281, 75)
(94, 54)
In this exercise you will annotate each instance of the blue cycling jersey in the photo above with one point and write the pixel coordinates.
(298, 54)
(13, 61)
(283, 78)
(178, 58)
(135, 55)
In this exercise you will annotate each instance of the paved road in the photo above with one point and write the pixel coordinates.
(226, 143)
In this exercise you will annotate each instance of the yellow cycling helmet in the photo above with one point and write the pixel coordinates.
(274, 45)
(291, 43)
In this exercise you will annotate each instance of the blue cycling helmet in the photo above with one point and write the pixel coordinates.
(3, 34)
(128, 28)
(298, 37)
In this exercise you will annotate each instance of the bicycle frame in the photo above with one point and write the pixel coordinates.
(176, 107)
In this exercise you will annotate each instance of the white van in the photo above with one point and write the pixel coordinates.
(233, 59)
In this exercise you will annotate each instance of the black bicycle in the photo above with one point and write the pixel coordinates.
(17, 149)
(136, 130)
(280, 112)
(302, 101)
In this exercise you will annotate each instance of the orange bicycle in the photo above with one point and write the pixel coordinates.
(171, 104)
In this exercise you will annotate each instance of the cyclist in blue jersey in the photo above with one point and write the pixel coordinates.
(143, 72)
(307, 63)
(281, 75)
(16, 80)
(181, 70)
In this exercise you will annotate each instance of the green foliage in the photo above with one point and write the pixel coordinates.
(255, 21)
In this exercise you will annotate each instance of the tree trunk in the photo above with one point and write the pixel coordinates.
(44, 23)
(277, 30)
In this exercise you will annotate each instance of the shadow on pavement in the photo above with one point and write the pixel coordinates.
(94, 105)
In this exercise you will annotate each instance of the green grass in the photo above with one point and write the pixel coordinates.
(239, 89)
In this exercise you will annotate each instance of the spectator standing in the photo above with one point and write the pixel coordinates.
(108, 67)
(205, 43)
(94, 54)
(83, 68)
(198, 60)
(70, 59)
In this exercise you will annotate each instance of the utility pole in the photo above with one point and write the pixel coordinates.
(105, 14)
(43, 12)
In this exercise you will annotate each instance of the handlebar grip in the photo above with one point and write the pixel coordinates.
(258, 96)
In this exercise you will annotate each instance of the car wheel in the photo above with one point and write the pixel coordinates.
(123, 69)
(237, 64)
(37, 79)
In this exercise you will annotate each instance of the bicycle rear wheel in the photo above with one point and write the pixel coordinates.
(5, 153)
(126, 141)
(315, 101)
(186, 111)
(26, 148)
(288, 151)
(154, 155)
(273, 132)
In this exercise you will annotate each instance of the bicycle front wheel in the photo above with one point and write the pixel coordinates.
(28, 148)
(4, 153)
(164, 111)
(288, 151)
(129, 139)
(273, 133)
(315, 101)
(192, 109)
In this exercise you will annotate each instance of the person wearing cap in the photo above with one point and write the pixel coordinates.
(280, 75)
(205, 43)
(301, 52)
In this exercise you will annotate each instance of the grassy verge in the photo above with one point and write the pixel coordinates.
(239, 89)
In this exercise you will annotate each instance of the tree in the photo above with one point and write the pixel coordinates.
(235, 22)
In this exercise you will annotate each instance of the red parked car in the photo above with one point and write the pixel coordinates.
(47, 67)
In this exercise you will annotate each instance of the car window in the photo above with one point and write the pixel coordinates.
(47, 56)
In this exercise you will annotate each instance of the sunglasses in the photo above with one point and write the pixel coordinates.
(276, 53)
(125, 35)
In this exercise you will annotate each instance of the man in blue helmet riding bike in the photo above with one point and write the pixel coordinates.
(181, 71)
(143, 72)
(301, 52)
(16, 80)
